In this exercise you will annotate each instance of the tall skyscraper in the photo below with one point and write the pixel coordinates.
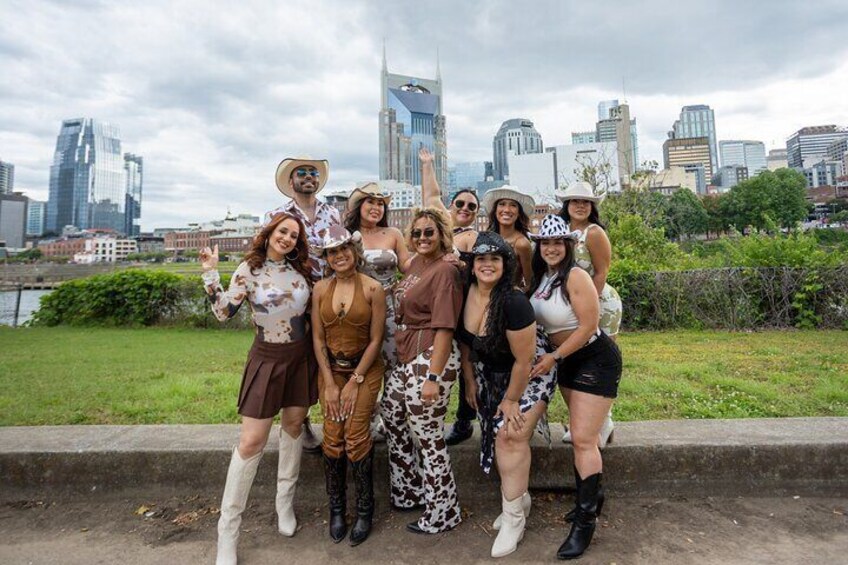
(745, 153)
(7, 177)
(688, 151)
(13, 219)
(516, 136)
(87, 186)
(604, 106)
(36, 218)
(134, 174)
(809, 145)
(411, 117)
(697, 121)
(617, 127)
(607, 129)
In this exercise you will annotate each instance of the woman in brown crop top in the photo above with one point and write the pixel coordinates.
(415, 400)
(348, 318)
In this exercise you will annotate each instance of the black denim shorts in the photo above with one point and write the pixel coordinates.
(594, 368)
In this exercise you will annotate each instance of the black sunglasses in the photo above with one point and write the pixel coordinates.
(428, 232)
(460, 204)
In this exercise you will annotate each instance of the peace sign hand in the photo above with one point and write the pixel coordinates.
(209, 258)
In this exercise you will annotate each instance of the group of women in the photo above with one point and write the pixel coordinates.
(409, 315)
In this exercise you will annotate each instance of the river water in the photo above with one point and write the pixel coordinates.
(29, 304)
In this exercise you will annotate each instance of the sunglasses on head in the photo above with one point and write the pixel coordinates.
(460, 204)
(307, 173)
(428, 232)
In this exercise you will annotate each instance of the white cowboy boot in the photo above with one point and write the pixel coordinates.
(525, 506)
(236, 490)
(288, 470)
(605, 436)
(512, 527)
(606, 433)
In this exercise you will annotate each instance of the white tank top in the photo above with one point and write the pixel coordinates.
(553, 312)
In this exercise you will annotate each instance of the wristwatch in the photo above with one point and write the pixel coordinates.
(357, 378)
(432, 377)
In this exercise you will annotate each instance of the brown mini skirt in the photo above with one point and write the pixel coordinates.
(278, 375)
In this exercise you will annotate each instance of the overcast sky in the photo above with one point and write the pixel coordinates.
(213, 96)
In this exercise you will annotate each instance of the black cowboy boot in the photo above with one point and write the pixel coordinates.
(363, 478)
(585, 518)
(569, 516)
(336, 474)
(460, 431)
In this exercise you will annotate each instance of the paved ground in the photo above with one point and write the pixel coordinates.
(158, 528)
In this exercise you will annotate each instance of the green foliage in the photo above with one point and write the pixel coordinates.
(132, 297)
(797, 249)
(769, 200)
(686, 215)
(152, 257)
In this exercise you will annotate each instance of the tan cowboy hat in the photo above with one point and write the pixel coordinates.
(509, 192)
(289, 164)
(367, 190)
(580, 190)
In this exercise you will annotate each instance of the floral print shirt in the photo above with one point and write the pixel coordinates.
(278, 296)
(325, 216)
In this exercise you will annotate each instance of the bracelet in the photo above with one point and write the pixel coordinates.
(433, 377)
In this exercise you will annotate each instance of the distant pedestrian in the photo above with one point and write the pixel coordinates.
(280, 373)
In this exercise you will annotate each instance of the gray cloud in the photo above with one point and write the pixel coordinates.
(214, 95)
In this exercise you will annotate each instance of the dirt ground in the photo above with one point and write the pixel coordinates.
(148, 529)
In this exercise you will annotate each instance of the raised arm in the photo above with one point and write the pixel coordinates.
(225, 304)
(429, 184)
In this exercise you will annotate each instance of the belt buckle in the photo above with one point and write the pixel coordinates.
(402, 327)
(344, 363)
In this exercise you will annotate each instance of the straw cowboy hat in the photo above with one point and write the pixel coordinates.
(288, 165)
(367, 190)
(554, 227)
(580, 190)
(509, 192)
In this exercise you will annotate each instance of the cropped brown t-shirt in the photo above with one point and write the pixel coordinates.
(429, 298)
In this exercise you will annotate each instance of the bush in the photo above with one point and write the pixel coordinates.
(132, 297)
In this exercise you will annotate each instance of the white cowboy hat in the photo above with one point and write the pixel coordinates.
(579, 190)
(554, 227)
(509, 192)
(289, 164)
(367, 190)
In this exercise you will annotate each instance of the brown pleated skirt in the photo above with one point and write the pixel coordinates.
(278, 375)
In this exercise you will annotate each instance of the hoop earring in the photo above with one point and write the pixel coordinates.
(296, 255)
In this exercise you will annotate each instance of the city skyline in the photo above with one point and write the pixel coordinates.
(214, 117)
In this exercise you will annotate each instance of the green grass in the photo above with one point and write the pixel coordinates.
(158, 375)
(189, 268)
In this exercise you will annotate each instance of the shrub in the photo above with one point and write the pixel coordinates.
(132, 297)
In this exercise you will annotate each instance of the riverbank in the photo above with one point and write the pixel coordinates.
(62, 375)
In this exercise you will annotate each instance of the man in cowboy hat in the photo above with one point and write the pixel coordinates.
(301, 178)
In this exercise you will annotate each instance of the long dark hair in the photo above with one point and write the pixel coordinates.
(594, 215)
(353, 217)
(258, 252)
(540, 268)
(522, 223)
(495, 331)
